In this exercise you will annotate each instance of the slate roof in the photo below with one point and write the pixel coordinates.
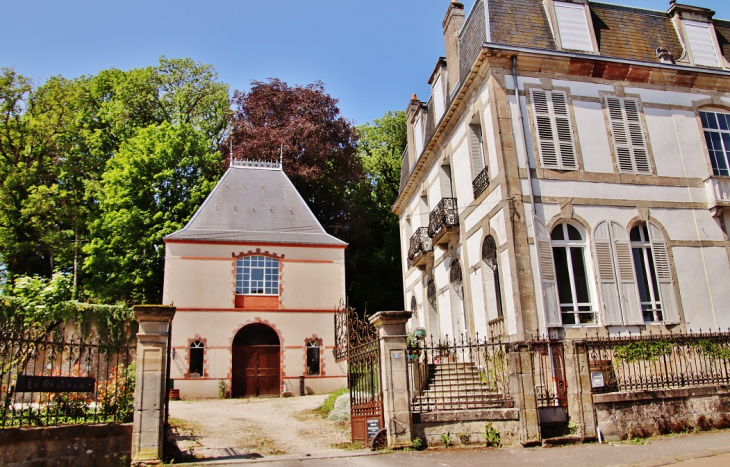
(255, 205)
(621, 31)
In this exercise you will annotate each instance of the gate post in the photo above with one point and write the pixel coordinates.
(391, 327)
(580, 391)
(149, 396)
(522, 386)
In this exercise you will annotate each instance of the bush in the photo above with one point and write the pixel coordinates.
(329, 403)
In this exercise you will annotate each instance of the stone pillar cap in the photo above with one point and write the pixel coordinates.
(154, 312)
(390, 317)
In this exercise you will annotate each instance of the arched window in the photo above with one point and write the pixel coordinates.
(568, 248)
(491, 278)
(197, 357)
(313, 364)
(257, 275)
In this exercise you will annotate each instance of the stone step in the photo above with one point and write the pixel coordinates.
(458, 398)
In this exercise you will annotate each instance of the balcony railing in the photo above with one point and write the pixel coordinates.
(420, 247)
(481, 182)
(443, 219)
(718, 192)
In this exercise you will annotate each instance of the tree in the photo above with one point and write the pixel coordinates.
(375, 280)
(152, 186)
(303, 125)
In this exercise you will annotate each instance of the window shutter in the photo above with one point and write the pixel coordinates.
(489, 292)
(663, 275)
(547, 274)
(612, 315)
(554, 130)
(433, 316)
(573, 26)
(475, 143)
(628, 291)
(438, 98)
(628, 135)
(418, 137)
(424, 211)
(445, 176)
(700, 43)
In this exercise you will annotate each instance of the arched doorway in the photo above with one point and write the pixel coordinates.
(256, 362)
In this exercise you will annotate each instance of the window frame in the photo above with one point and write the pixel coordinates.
(561, 141)
(625, 133)
(311, 345)
(199, 346)
(648, 269)
(588, 32)
(707, 132)
(270, 279)
(569, 245)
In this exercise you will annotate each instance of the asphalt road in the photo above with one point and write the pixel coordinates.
(692, 450)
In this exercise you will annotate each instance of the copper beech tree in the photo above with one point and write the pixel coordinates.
(319, 146)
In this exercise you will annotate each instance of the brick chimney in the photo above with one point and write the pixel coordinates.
(453, 21)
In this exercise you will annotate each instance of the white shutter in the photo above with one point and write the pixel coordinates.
(660, 252)
(612, 315)
(475, 145)
(573, 26)
(423, 208)
(554, 129)
(438, 99)
(628, 291)
(445, 175)
(490, 292)
(418, 137)
(628, 135)
(701, 44)
(547, 274)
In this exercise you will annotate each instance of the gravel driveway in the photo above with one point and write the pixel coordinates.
(252, 428)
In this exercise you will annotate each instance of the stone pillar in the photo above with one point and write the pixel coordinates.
(391, 326)
(580, 392)
(149, 397)
(522, 389)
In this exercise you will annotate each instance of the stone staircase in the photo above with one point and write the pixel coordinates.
(456, 386)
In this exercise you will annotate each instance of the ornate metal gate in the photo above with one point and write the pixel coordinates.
(357, 342)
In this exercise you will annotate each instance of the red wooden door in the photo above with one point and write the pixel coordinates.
(255, 371)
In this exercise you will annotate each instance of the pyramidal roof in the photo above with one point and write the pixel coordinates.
(255, 202)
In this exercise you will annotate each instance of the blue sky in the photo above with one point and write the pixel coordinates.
(371, 55)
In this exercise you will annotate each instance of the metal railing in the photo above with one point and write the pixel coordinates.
(61, 380)
(445, 214)
(481, 182)
(496, 328)
(463, 374)
(548, 367)
(659, 361)
(420, 243)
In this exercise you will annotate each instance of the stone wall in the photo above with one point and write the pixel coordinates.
(429, 427)
(67, 446)
(649, 413)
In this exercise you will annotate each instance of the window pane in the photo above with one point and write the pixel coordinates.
(722, 122)
(557, 233)
(569, 318)
(711, 121)
(573, 233)
(562, 275)
(196, 361)
(312, 361)
(579, 274)
(641, 279)
(704, 118)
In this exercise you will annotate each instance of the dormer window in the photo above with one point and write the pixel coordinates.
(701, 45)
(573, 28)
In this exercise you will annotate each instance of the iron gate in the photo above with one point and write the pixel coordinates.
(357, 342)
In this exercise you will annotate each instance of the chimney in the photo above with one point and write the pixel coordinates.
(412, 112)
(453, 21)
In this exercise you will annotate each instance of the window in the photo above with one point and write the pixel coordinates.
(628, 135)
(492, 288)
(573, 27)
(717, 136)
(197, 356)
(701, 45)
(257, 275)
(646, 281)
(554, 130)
(438, 98)
(313, 366)
(476, 147)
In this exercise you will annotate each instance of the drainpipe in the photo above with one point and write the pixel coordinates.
(534, 214)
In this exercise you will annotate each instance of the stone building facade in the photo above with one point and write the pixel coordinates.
(255, 280)
(569, 174)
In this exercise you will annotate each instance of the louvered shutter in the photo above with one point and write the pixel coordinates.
(445, 176)
(628, 135)
(628, 291)
(554, 129)
(547, 274)
(489, 292)
(475, 145)
(612, 314)
(660, 253)
(433, 316)
(573, 26)
(700, 43)
(423, 208)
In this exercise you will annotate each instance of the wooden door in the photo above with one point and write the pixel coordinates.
(255, 371)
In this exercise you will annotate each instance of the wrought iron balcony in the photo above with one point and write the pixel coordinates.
(421, 249)
(443, 222)
(481, 182)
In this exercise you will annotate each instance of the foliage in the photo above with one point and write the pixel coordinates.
(492, 437)
(329, 403)
(418, 444)
(411, 340)
(446, 439)
(712, 349)
(223, 390)
(465, 438)
(116, 394)
(647, 350)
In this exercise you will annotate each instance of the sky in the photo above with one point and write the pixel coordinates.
(371, 55)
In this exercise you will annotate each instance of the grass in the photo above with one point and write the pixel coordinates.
(329, 403)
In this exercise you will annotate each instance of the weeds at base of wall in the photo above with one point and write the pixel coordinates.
(446, 439)
(223, 390)
(418, 444)
(465, 438)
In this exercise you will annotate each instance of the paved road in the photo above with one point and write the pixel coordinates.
(693, 450)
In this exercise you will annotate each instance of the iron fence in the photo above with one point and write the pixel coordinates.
(458, 374)
(548, 368)
(420, 243)
(445, 214)
(480, 182)
(56, 379)
(658, 361)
